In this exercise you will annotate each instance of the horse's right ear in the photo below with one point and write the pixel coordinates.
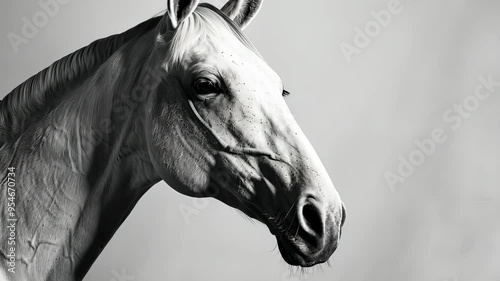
(179, 10)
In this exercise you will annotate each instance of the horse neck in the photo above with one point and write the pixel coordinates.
(80, 170)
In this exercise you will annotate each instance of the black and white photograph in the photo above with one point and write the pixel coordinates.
(249, 140)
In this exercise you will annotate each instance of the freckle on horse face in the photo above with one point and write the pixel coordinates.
(186, 98)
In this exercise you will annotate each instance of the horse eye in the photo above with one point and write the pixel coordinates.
(204, 86)
(285, 93)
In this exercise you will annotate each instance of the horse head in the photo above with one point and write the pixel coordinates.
(218, 126)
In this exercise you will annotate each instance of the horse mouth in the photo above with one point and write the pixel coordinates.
(291, 255)
(303, 244)
(296, 253)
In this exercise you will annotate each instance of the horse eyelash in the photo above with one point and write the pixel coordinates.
(285, 93)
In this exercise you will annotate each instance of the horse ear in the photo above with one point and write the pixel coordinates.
(179, 10)
(242, 11)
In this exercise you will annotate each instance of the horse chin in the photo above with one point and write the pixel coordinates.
(297, 254)
(292, 257)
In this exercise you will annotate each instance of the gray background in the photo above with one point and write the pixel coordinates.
(441, 223)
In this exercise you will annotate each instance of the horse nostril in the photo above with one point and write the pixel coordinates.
(313, 223)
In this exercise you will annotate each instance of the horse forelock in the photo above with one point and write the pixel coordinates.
(206, 22)
(35, 96)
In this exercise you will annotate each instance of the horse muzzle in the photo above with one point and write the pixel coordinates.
(315, 235)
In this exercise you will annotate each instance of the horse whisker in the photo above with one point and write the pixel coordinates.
(289, 210)
(291, 222)
(297, 232)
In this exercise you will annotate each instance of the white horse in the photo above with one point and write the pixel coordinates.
(183, 98)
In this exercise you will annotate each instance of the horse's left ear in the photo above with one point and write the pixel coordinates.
(242, 12)
(179, 10)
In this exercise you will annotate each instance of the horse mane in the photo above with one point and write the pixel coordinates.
(36, 95)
